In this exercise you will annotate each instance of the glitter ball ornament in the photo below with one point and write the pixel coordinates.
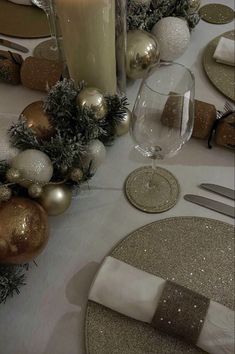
(95, 154)
(76, 175)
(35, 190)
(122, 126)
(173, 36)
(94, 99)
(55, 198)
(23, 230)
(142, 52)
(13, 175)
(5, 193)
(34, 166)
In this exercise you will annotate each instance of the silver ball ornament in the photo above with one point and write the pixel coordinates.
(5, 193)
(55, 198)
(122, 127)
(76, 175)
(94, 99)
(142, 53)
(13, 175)
(95, 154)
(35, 190)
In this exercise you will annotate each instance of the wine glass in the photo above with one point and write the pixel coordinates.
(162, 122)
(48, 49)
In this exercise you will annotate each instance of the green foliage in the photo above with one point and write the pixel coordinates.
(12, 277)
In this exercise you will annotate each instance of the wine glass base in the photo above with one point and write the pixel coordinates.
(152, 191)
(45, 50)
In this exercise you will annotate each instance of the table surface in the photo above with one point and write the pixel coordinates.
(48, 316)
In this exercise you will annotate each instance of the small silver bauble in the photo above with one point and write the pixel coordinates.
(13, 175)
(5, 193)
(142, 53)
(35, 190)
(76, 175)
(173, 36)
(122, 127)
(55, 198)
(94, 99)
(34, 166)
(95, 154)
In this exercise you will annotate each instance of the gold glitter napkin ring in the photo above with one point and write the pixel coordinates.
(181, 312)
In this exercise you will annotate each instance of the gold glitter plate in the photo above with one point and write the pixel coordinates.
(192, 251)
(22, 21)
(221, 75)
(216, 13)
(160, 197)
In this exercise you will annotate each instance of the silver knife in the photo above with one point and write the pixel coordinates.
(211, 204)
(226, 192)
(13, 45)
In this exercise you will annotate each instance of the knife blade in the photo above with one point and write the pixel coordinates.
(211, 204)
(13, 45)
(226, 192)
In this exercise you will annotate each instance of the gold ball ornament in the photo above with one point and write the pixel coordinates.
(76, 175)
(122, 127)
(13, 175)
(94, 99)
(142, 53)
(23, 230)
(35, 190)
(55, 198)
(37, 120)
(5, 193)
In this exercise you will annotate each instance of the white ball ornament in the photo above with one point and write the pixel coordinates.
(95, 154)
(34, 166)
(173, 37)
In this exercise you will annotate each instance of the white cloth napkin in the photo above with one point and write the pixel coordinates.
(135, 293)
(225, 51)
(21, 2)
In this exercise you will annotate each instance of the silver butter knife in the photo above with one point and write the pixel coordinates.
(226, 192)
(13, 45)
(211, 204)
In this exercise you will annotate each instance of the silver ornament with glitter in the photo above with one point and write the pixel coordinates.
(76, 175)
(122, 126)
(142, 53)
(13, 175)
(35, 190)
(94, 99)
(173, 36)
(95, 154)
(5, 193)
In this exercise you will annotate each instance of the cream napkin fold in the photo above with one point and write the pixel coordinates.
(225, 51)
(135, 293)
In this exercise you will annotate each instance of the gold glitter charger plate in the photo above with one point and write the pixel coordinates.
(22, 21)
(216, 13)
(161, 196)
(194, 252)
(221, 75)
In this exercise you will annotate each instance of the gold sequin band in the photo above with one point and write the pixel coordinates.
(181, 312)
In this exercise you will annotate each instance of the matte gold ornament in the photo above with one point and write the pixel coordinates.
(37, 120)
(13, 175)
(35, 190)
(94, 99)
(34, 166)
(55, 198)
(122, 127)
(23, 230)
(142, 53)
(76, 175)
(5, 193)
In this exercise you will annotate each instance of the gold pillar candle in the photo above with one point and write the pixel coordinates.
(88, 30)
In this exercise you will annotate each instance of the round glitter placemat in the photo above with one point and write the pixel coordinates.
(216, 13)
(43, 50)
(161, 196)
(192, 251)
(22, 21)
(221, 75)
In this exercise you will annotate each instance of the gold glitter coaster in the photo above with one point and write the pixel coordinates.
(152, 191)
(194, 252)
(216, 13)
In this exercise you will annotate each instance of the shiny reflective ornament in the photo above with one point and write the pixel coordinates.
(35, 190)
(55, 198)
(94, 99)
(142, 53)
(23, 230)
(122, 127)
(95, 154)
(173, 36)
(76, 175)
(194, 6)
(34, 166)
(5, 193)
(37, 120)
(13, 175)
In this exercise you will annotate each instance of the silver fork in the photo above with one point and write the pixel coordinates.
(228, 107)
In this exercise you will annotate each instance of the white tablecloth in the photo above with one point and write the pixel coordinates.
(48, 316)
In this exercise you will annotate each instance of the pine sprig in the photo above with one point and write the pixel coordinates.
(12, 277)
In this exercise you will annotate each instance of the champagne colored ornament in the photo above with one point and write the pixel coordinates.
(173, 36)
(94, 99)
(34, 166)
(55, 198)
(142, 53)
(13, 175)
(37, 120)
(35, 190)
(23, 230)
(122, 127)
(76, 175)
(95, 154)
(5, 193)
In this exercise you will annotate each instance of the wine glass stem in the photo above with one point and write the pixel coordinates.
(152, 182)
(53, 29)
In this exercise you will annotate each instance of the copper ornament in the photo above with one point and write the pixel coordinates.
(23, 230)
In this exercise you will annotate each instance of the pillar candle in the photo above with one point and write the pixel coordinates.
(88, 30)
